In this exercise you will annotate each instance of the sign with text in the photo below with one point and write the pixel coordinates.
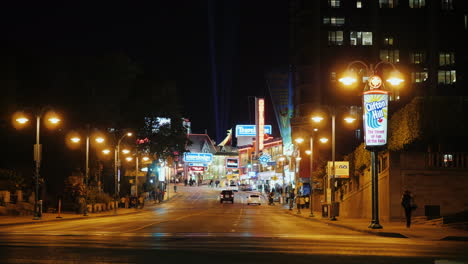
(260, 123)
(375, 104)
(250, 130)
(197, 169)
(198, 157)
(232, 163)
(341, 169)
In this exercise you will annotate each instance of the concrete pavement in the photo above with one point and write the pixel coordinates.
(66, 216)
(390, 229)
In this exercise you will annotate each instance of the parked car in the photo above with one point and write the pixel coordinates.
(254, 199)
(226, 195)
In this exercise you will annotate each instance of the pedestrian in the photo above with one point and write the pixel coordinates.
(407, 201)
(291, 199)
(211, 183)
(271, 197)
(299, 203)
(141, 201)
(175, 188)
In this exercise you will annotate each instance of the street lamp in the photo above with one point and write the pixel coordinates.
(117, 168)
(22, 119)
(375, 105)
(317, 119)
(77, 140)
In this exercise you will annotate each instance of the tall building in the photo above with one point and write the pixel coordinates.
(425, 39)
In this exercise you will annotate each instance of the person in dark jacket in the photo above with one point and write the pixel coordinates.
(408, 205)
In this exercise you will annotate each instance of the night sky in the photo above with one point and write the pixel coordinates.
(192, 43)
(169, 40)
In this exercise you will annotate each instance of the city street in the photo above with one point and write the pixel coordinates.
(194, 226)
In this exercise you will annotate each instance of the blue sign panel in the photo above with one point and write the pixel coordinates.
(198, 164)
(249, 130)
(198, 157)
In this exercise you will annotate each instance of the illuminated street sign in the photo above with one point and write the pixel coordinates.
(250, 130)
(232, 163)
(375, 104)
(198, 157)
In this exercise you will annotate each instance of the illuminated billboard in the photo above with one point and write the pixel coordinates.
(198, 157)
(260, 108)
(250, 130)
(375, 104)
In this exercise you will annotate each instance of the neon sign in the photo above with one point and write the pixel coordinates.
(261, 123)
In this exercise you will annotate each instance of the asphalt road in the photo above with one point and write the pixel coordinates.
(194, 227)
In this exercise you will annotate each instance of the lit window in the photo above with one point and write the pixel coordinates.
(388, 3)
(418, 77)
(335, 38)
(447, 4)
(446, 58)
(334, 3)
(334, 21)
(417, 3)
(417, 57)
(392, 56)
(448, 160)
(358, 4)
(360, 38)
(333, 76)
(388, 41)
(447, 77)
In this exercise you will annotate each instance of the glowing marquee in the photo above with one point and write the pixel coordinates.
(261, 123)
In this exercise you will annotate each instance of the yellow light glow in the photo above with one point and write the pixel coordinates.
(125, 151)
(99, 140)
(22, 120)
(349, 119)
(54, 120)
(129, 134)
(395, 81)
(281, 159)
(145, 158)
(308, 152)
(317, 119)
(315, 129)
(324, 140)
(347, 80)
(129, 158)
(298, 158)
(299, 140)
(75, 139)
(106, 151)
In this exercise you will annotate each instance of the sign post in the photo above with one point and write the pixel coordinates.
(375, 104)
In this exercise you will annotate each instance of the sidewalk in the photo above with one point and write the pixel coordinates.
(51, 217)
(390, 229)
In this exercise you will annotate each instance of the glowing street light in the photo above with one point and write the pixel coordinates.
(323, 140)
(106, 151)
(22, 120)
(125, 151)
(308, 152)
(100, 140)
(317, 119)
(75, 139)
(350, 119)
(145, 158)
(299, 140)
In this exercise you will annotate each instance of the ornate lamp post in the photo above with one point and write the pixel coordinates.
(375, 105)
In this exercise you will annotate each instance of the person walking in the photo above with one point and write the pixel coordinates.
(271, 197)
(407, 201)
(291, 199)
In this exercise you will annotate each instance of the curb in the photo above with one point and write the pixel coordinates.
(376, 233)
(65, 219)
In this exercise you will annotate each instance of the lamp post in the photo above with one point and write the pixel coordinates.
(22, 119)
(375, 105)
(117, 167)
(77, 140)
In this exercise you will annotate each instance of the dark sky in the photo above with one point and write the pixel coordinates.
(168, 38)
